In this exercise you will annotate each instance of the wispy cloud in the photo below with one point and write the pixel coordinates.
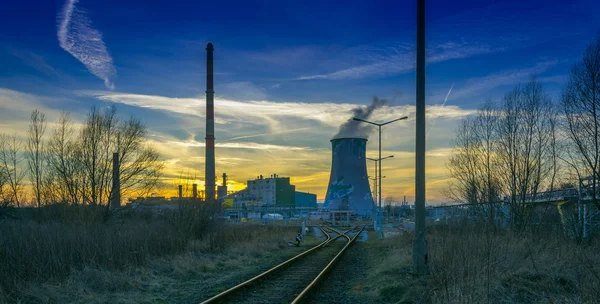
(33, 60)
(243, 90)
(477, 85)
(395, 60)
(242, 145)
(77, 36)
(277, 116)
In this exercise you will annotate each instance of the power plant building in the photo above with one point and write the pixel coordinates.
(269, 191)
(306, 200)
(348, 188)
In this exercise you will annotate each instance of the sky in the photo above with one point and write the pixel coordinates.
(287, 74)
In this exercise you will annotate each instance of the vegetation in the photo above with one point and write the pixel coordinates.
(527, 144)
(471, 265)
(74, 165)
(74, 243)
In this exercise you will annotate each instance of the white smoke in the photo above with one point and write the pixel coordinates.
(77, 36)
(356, 129)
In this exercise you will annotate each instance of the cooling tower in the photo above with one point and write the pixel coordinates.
(349, 183)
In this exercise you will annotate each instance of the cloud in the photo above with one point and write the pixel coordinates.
(275, 116)
(241, 145)
(33, 60)
(478, 85)
(243, 90)
(16, 107)
(77, 36)
(395, 60)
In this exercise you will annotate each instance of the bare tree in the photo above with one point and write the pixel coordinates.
(35, 153)
(139, 164)
(463, 165)
(511, 150)
(10, 160)
(64, 162)
(524, 146)
(4, 201)
(581, 106)
(94, 149)
(103, 134)
(473, 164)
(485, 133)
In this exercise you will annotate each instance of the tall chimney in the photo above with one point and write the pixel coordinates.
(115, 196)
(180, 191)
(209, 161)
(195, 190)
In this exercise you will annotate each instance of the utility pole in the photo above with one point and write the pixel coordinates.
(420, 243)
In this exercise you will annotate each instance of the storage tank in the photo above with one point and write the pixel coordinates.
(348, 187)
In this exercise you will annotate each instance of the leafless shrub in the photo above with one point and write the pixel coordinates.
(10, 163)
(35, 154)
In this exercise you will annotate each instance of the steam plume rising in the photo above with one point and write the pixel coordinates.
(355, 129)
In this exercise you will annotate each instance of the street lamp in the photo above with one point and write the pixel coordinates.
(379, 125)
(376, 176)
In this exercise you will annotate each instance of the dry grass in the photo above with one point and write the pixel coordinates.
(469, 265)
(60, 258)
(42, 251)
(184, 278)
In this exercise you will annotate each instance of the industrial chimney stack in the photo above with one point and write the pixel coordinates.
(209, 162)
(115, 197)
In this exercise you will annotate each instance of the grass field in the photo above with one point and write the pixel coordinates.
(132, 260)
(468, 265)
(182, 260)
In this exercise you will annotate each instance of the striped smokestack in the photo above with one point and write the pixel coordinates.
(209, 161)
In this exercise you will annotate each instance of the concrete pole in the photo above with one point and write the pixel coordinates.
(116, 183)
(180, 191)
(379, 215)
(195, 190)
(419, 243)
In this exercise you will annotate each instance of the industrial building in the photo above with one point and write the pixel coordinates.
(268, 191)
(306, 200)
(272, 192)
(348, 188)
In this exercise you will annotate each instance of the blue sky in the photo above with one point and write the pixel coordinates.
(287, 72)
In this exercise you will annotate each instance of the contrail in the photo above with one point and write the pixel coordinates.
(443, 104)
(77, 36)
(270, 133)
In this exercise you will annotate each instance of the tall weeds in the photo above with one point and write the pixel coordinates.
(39, 245)
(472, 265)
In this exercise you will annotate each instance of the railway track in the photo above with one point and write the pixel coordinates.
(293, 280)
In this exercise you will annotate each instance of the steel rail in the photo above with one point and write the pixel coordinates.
(258, 277)
(341, 233)
(314, 282)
